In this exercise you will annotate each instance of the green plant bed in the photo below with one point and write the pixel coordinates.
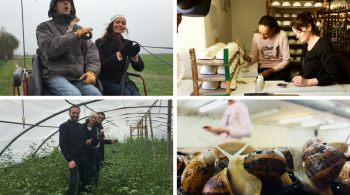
(130, 169)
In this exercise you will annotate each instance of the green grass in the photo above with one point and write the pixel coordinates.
(6, 73)
(131, 169)
(157, 74)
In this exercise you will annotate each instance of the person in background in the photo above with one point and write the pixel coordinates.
(270, 45)
(99, 152)
(235, 123)
(317, 61)
(91, 133)
(73, 144)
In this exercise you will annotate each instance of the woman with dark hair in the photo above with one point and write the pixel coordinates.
(270, 45)
(114, 49)
(91, 132)
(318, 62)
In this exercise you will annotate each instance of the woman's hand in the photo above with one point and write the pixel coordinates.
(134, 50)
(300, 81)
(267, 73)
(219, 130)
(126, 48)
(246, 58)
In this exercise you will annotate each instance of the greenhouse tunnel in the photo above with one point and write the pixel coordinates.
(43, 118)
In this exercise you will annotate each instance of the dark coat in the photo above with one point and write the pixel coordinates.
(63, 55)
(319, 63)
(72, 140)
(102, 144)
(111, 68)
(90, 154)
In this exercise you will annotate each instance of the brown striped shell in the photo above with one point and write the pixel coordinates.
(289, 158)
(220, 165)
(197, 173)
(267, 165)
(312, 141)
(181, 164)
(218, 184)
(323, 164)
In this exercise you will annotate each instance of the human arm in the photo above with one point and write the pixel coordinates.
(327, 57)
(63, 141)
(285, 54)
(302, 82)
(52, 46)
(107, 62)
(254, 51)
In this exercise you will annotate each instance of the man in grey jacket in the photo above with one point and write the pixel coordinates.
(70, 60)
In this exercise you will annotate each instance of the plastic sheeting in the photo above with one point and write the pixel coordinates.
(120, 115)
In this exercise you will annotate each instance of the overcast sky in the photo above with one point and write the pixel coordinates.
(150, 22)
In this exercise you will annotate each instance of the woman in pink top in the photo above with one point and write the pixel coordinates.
(270, 45)
(235, 123)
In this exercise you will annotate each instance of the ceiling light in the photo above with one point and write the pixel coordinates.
(212, 105)
(342, 125)
(311, 123)
(265, 112)
(330, 121)
(298, 119)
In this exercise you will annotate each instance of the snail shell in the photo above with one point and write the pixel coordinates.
(340, 146)
(289, 158)
(181, 164)
(220, 165)
(218, 184)
(197, 173)
(267, 165)
(312, 141)
(323, 163)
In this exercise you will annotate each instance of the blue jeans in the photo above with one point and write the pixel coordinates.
(90, 174)
(97, 167)
(112, 88)
(62, 87)
(81, 166)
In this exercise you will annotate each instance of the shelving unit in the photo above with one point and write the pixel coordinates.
(215, 62)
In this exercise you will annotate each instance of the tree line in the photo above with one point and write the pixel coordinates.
(8, 43)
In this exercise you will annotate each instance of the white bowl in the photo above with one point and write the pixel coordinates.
(318, 4)
(292, 42)
(291, 59)
(296, 4)
(286, 4)
(278, 15)
(308, 4)
(291, 33)
(208, 70)
(221, 70)
(292, 51)
(279, 22)
(205, 55)
(297, 59)
(220, 44)
(299, 42)
(318, 24)
(298, 51)
(210, 84)
(286, 23)
(294, 15)
(276, 3)
(286, 15)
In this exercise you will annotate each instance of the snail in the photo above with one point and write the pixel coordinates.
(340, 146)
(306, 184)
(218, 184)
(241, 181)
(267, 165)
(286, 153)
(232, 147)
(323, 163)
(197, 173)
(312, 141)
(220, 165)
(181, 164)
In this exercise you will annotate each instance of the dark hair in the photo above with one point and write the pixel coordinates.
(303, 20)
(102, 114)
(112, 37)
(270, 22)
(74, 106)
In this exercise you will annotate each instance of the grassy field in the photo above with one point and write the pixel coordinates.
(157, 74)
(131, 169)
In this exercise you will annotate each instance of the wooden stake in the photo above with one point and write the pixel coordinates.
(194, 72)
(169, 138)
(145, 130)
(150, 126)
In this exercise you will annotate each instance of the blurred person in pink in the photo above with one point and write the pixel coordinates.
(235, 123)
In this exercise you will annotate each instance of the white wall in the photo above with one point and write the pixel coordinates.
(196, 32)
(189, 128)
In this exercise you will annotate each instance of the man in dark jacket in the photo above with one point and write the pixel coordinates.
(70, 60)
(73, 143)
(100, 149)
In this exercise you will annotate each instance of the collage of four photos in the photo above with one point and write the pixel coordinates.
(285, 131)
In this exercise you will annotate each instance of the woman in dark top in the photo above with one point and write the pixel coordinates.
(91, 132)
(318, 62)
(114, 49)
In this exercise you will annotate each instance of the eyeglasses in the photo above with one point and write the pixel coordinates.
(101, 118)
